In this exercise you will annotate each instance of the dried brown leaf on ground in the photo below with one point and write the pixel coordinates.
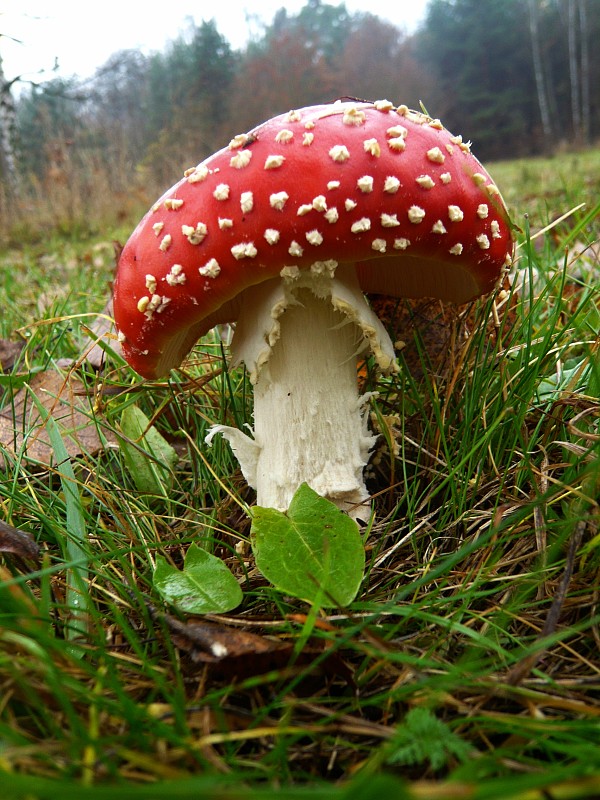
(17, 542)
(9, 353)
(65, 398)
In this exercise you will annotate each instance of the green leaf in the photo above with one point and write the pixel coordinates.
(205, 586)
(314, 551)
(149, 457)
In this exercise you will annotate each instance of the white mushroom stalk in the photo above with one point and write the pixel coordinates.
(300, 338)
(281, 232)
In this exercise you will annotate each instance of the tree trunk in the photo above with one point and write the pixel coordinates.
(538, 67)
(586, 109)
(574, 69)
(8, 127)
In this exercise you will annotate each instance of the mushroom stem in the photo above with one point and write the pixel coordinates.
(309, 421)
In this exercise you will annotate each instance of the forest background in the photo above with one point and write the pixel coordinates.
(516, 77)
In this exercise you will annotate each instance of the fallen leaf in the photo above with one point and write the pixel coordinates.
(17, 542)
(65, 399)
(237, 651)
(9, 352)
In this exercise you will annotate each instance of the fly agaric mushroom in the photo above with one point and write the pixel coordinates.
(283, 232)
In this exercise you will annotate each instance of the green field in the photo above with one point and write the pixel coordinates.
(467, 666)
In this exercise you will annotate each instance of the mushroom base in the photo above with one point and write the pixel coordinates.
(309, 421)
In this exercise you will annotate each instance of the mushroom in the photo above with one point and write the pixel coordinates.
(283, 232)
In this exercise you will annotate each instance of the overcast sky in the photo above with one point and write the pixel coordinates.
(82, 35)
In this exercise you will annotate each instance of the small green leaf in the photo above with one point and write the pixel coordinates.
(205, 586)
(149, 457)
(314, 551)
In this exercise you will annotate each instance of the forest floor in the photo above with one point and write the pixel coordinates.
(467, 665)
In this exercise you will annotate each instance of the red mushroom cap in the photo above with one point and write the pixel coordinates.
(388, 189)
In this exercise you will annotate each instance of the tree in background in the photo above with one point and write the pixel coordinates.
(8, 133)
(518, 77)
(484, 79)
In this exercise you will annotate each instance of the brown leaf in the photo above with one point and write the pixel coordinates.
(238, 651)
(9, 352)
(17, 542)
(64, 398)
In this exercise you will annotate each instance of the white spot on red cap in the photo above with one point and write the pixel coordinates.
(284, 136)
(339, 153)
(391, 185)
(246, 202)
(401, 244)
(308, 139)
(425, 181)
(397, 131)
(438, 227)
(278, 200)
(295, 249)
(397, 145)
(165, 242)
(332, 215)
(157, 227)
(273, 162)
(195, 235)
(238, 141)
(365, 184)
(175, 276)
(241, 159)
(445, 177)
(350, 204)
(416, 214)
(483, 210)
(333, 185)
(353, 116)
(173, 203)
(361, 225)
(372, 147)
(221, 192)
(211, 269)
(455, 214)
(272, 235)
(389, 220)
(244, 250)
(483, 241)
(380, 245)
(197, 174)
(436, 156)
(314, 237)
(225, 223)
(383, 105)
(456, 249)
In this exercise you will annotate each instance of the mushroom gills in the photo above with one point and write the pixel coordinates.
(299, 338)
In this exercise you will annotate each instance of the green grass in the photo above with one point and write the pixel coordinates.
(468, 665)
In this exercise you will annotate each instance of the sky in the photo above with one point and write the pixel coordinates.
(83, 35)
